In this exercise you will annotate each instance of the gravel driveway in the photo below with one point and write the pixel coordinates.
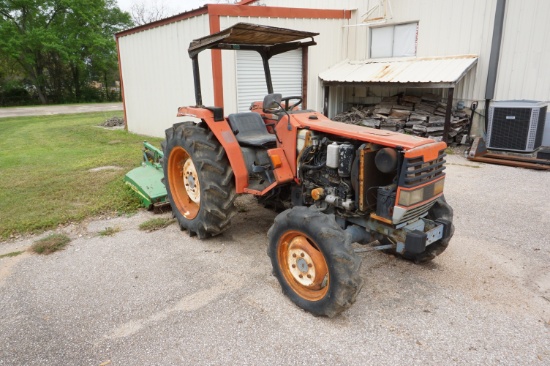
(59, 109)
(164, 298)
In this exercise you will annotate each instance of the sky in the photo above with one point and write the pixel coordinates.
(171, 6)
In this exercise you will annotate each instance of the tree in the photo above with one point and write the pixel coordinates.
(51, 39)
(143, 13)
(13, 84)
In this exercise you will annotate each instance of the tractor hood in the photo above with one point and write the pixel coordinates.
(317, 122)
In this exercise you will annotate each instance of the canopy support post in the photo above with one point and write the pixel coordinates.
(325, 103)
(448, 115)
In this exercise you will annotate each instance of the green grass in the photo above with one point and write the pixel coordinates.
(155, 224)
(12, 254)
(44, 163)
(51, 243)
(109, 231)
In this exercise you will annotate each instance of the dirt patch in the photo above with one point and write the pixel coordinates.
(113, 122)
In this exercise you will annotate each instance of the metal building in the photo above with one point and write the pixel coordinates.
(157, 77)
(505, 38)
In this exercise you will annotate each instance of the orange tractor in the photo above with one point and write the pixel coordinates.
(341, 184)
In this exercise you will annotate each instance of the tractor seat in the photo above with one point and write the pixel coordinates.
(250, 130)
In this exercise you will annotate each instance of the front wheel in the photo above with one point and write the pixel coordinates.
(314, 261)
(441, 210)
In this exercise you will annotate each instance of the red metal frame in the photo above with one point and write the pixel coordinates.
(225, 136)
(286, 144)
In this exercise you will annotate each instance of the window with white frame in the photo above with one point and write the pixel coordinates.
(394, 40)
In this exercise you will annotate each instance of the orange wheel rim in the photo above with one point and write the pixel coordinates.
(303, 266)
(184, 183)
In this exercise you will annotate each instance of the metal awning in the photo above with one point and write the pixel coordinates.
(267, 41)
(423, 72)
(248, 36)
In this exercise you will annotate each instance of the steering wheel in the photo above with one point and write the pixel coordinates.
(286, 102)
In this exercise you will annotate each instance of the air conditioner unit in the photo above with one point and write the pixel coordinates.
(516, 125)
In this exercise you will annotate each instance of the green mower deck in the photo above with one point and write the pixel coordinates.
(147, 179)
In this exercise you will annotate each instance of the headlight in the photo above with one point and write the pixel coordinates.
(410, 198)
(438, 186)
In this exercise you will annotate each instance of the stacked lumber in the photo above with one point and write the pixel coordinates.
(421, 116)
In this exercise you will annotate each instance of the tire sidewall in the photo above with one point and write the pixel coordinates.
(179, 141)
(328, 243)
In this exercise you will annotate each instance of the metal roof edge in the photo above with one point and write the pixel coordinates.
(158, 23)
(414, 58)
(252, 35)
(400, 71)
(214, 9)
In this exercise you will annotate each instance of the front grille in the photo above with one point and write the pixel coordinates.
(417, 212)
(415, 171)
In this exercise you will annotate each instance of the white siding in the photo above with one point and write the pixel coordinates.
(352, 36)
(157, 71)
(158, 76)
(523, 71)
(448, 28)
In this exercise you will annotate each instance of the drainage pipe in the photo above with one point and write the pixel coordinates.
(494, 57)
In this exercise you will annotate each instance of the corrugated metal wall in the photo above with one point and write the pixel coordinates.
(446, 28)
(449, 27)
(523, 71)
(351, 36)
(158, 77)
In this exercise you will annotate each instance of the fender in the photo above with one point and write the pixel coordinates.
(225, 136)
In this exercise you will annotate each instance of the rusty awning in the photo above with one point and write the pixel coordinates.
(248, 36)
(424, 72)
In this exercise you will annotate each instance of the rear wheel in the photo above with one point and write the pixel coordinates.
(314, 262)
(199, 180)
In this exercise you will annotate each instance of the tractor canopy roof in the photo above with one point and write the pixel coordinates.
(261, 38)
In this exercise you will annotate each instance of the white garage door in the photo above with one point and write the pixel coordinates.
(286, 73)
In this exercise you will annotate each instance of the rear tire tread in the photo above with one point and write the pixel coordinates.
(215, 178)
